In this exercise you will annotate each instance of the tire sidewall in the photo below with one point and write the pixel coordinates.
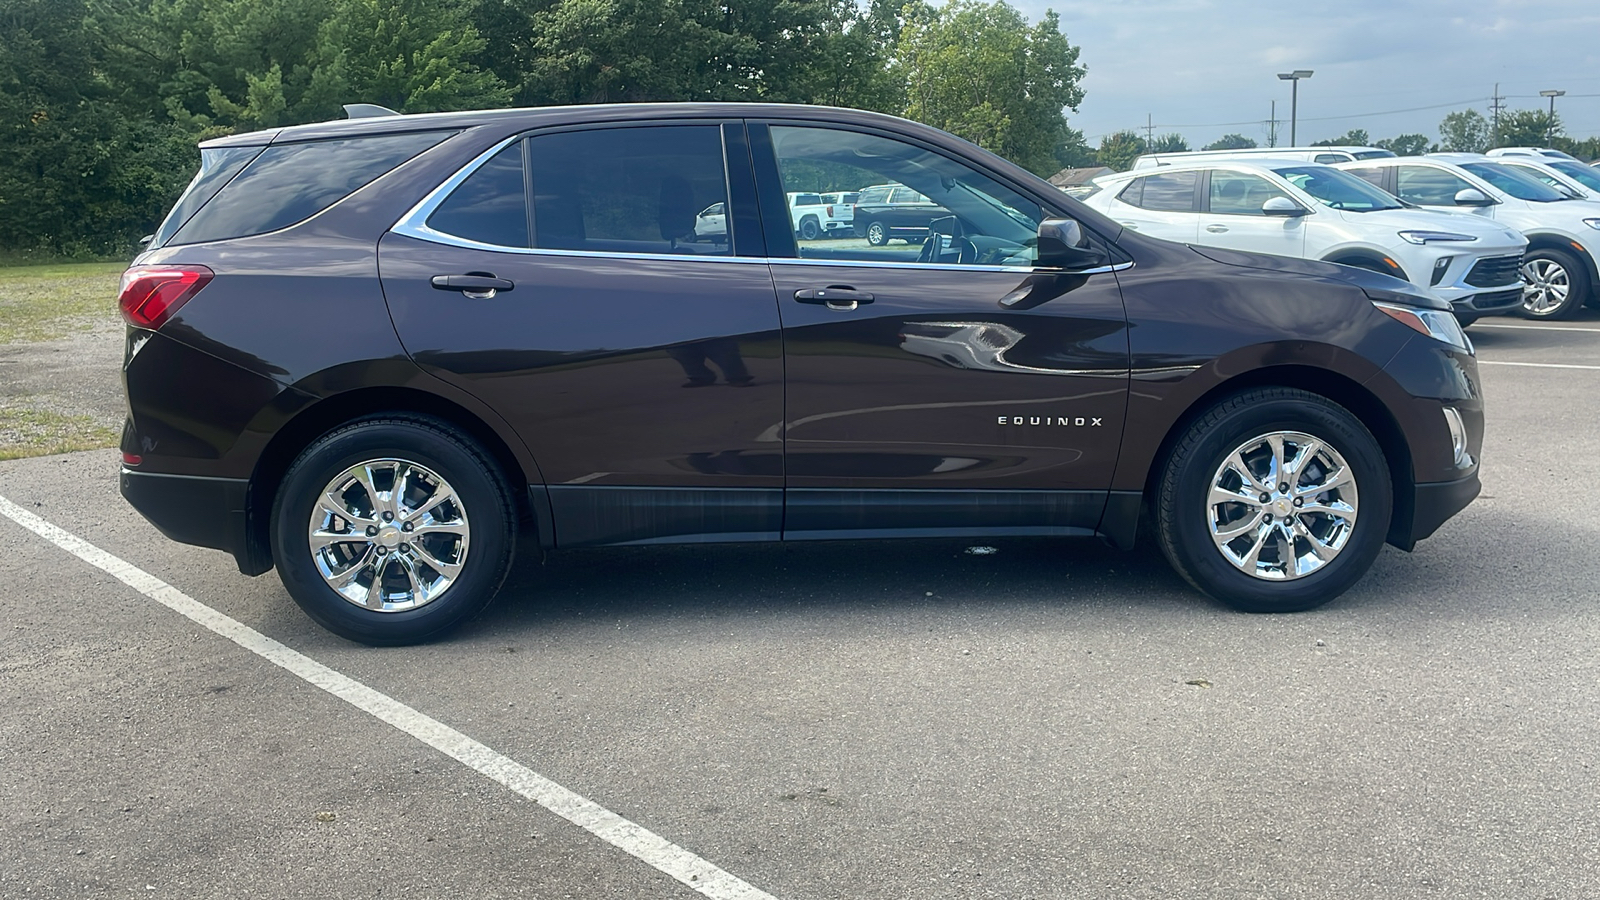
(483, 497)
(877, 234)
(1190, 476)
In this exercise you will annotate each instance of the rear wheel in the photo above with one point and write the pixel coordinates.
(1555, 284)
(1276, 500)
(877, 234)
(810, 230)
(393, 530)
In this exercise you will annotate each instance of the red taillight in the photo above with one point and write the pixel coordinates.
(152, 294)
(131, 459)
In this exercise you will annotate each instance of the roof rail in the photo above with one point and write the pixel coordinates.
(366, 111)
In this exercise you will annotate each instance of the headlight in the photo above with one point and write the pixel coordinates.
(1592, 223)
(1435, 323)
(1436, 237)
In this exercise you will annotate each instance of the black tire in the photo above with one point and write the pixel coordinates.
(1183, 511)
(469, 471)
(877, 234)
(1558, 269)
(810, 229)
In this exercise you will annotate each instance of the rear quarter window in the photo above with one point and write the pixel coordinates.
(289, 183)
(1167, 192)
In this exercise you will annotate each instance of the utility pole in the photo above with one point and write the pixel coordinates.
(1272, 126)
(1494, 108)
(1150, 128)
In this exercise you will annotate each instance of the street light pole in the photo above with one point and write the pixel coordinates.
(1550, 130)
(1294, 99)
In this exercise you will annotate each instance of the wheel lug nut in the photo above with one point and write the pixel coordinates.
(410, 527)
(1282, 488)
(1265, 498)
(383, 551)
(388, 517)
(1298, 502)
(405, 548)
(372, 531)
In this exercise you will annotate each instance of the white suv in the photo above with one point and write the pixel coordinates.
(1313, 211)
(1328, 155)
(1563, 234)
(1535, 152)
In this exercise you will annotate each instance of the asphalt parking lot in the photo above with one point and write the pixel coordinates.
(902, 720)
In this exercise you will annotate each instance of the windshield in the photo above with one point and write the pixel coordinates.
(1588, 176)
(1338, 189)
(1518, 185)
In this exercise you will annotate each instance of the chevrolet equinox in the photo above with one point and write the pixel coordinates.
(373, 353)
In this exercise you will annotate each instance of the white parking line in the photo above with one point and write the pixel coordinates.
(657, 852)
(1490, 362)
(1535, 328)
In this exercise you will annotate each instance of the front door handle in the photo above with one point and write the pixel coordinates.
(835, 296)
(1216, 229)
(474, 285)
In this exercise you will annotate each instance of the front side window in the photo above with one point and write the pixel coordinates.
(1427, 186)
(1167, 192)
(944, 211)
(1372, 176)
(1241, 194)
(628, 190)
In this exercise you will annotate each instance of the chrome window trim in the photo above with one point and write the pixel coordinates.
(414, 225)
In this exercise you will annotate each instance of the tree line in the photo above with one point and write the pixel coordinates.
(1464, 131)
(103, 101)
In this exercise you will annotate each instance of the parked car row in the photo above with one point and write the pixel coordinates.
(521, 294)
(1513, 232)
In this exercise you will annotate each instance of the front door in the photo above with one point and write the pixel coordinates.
(1234, 217)
(575, 283)
(943, 387)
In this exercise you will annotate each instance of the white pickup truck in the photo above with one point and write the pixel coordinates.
(814, 215)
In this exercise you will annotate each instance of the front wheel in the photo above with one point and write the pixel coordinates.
(1555, 284)
(392, 530)
(1275, 500)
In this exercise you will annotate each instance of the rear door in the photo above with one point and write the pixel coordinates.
(562, 280)
(942, 388)
(1163, 206)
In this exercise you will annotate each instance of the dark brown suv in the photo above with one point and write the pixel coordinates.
(372, 352)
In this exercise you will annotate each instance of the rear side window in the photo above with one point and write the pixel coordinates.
(1167, 192)
(1373, 176)
(491, 206)
(288, 183)
(627, 190)
(217, 168)
(1329, 158)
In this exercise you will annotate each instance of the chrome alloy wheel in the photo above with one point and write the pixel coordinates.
(1546, 284)
(389, 535)
(1282, 505)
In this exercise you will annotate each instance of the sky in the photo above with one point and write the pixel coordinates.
(1205, 68)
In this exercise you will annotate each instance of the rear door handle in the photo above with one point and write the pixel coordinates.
(1216, 229)
(834, 296)
(475, 285)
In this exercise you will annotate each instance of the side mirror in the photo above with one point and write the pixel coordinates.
(1283, 207)
(1063, 245)
(1472, 197)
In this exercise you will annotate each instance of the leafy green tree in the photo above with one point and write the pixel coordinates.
(980, 71)
(1074, 152)
(1355, 137)
(1404, 145)
(1528, 128)
(1466, 131)
(1119, 150)
(1230, 142)
(1169, 143)
(1587, 149)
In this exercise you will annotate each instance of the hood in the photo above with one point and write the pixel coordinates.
(1368, 282)
(1487, 230)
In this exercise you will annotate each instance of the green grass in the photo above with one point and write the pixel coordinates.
(41, 432)
(42, 303)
